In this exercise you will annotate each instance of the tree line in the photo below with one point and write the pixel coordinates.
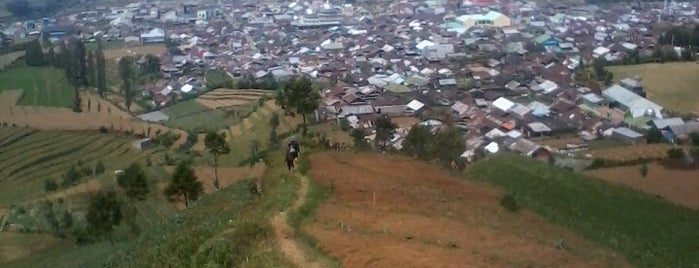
(35, 9)
(83, 68)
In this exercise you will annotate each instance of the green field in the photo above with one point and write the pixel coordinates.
(192, 116)
(672, 85)
(42, 86)
(649, 231)
(28, 157)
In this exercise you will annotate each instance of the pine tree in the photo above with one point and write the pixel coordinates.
(91, 68)
(101, 70)
(34, 55)
(126, 74)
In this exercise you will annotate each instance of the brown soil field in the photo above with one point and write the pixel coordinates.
(393, 211)
(136, 50)
(675, 185)
(53, 118)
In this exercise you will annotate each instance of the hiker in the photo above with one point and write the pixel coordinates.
(292, 153)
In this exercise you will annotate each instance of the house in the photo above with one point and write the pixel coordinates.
(683, 131)
(628, 135)
(634, 85)
(537, 129)
(54, 32)
(634, 105)
(529, 148)
(156, 35)
(142, 143)
(490, 19)
(546, 41)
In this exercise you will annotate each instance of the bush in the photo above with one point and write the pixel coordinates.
(104, 129)
(71, 177)
(99, 168)
(675, 153)
(508, 202)
(50, 185)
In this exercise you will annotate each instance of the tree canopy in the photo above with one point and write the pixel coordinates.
(418, 142)
(34, 55)
(126, 75)
(297, 95)
(384, 131)
(184, 184)
(134, 182)
(104, 213)
(448, 144)
(217, 145)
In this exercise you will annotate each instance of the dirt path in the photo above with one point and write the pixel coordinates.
(285, 234)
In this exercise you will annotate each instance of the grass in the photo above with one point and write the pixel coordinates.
(42, 86)
(316, 195)
(229, 228)
(192, 116)
(649, 231)
(672, 85)
(9, 58)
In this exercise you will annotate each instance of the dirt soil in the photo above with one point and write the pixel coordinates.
(393, 211)
(675, 185)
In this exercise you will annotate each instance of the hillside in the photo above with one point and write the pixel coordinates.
(651, 232)
(394, 211)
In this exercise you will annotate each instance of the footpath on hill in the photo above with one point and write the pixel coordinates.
(285, 233)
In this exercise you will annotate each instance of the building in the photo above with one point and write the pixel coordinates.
(490, 19)
(634, 105)
(546, 41)
(628, 135)
(156, 35)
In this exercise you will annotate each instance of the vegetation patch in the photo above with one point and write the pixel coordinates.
(649, 231)
(42, 86)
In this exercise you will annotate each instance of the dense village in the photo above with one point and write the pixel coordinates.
(510, 74)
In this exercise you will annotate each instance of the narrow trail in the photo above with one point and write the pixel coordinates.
(285, 234)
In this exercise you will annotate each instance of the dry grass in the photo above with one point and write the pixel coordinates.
(672, 85)
(372, 219)
(158, 49)
(658, 150)
(677, 186)
(52, 118)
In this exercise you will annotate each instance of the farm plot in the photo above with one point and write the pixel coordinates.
(219, 98)
(34, 156)
(372, 219)
(114, 53)
(41, 86)
(626, 153)
(192, 116)
(100, 114)
(676, 185)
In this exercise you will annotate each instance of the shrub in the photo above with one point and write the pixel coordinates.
(509, 202)
(50, 185)
(103, 129)
(675, 153)
(99, 168)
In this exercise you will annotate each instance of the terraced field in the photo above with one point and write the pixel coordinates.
(253, 129)
(221, 97)
(29, 156)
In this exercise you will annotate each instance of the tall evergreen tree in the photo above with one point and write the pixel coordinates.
(51, 57)
(184, 184)
(126, 74)
(101, 70)
(34, 55)
(91, 68)
(299, 96)
(217, 145)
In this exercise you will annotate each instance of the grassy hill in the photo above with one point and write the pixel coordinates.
(649, 231)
